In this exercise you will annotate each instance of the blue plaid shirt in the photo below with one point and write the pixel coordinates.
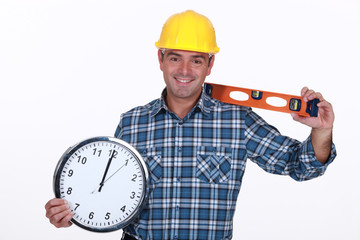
(197, 163)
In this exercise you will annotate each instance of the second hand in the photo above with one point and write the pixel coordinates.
(110, 177)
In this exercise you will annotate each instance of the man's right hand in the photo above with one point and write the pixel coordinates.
(58, 212)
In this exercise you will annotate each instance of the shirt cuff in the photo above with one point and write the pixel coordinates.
(310, 150)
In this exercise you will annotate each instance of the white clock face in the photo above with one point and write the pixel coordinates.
(104, 183)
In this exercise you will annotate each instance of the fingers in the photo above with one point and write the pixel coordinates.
(56, 206)
(309, 94)
(58, 212)
(61, 219)
(55, 202)
(304, 90)
(300, 119)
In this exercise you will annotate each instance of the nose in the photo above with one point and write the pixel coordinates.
(185, 68)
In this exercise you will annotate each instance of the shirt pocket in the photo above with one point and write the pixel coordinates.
(153, 160)
(213, 164)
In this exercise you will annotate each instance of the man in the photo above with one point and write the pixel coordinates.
(196, 147)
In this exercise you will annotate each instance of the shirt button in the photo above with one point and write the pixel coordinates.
(180, 149)
(180, 122)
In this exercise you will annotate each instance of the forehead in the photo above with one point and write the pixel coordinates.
(183, 53)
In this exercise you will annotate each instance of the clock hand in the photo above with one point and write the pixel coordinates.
(115, 172)
(109, 177)
(106, 170)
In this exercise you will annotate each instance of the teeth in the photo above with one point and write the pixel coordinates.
(183, 81)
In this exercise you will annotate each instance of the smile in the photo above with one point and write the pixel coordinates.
(183, 80)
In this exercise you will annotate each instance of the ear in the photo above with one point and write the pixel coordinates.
(160, 59)
(211, 65)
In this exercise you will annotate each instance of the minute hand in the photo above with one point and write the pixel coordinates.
(106, 170)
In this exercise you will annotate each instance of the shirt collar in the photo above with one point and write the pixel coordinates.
(159, 104)
(204, 104)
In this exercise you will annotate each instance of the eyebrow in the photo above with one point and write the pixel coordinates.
(179, 55)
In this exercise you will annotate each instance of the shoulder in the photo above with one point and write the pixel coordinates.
(140, 112)
(135, 117)
(215, 106)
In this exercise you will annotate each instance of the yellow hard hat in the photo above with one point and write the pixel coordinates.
(189, 31)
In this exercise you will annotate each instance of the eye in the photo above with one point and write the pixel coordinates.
(174, 59)
(198, 61)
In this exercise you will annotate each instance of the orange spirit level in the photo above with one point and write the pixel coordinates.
(259, 99)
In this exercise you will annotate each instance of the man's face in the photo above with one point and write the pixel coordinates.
(184, 73)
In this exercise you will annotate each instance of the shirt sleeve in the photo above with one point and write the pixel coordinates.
(119, 130)
(280, 154)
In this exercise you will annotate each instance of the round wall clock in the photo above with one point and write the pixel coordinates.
(105, 181)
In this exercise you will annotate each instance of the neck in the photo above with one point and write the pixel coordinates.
(181, 106)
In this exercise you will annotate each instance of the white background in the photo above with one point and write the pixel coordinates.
(68, 69)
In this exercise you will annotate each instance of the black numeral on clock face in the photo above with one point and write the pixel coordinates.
(77, 205)
(70, 173)
(134, 178)
(113, 153)
(132, 196)
(107, 216)
(123, 208)
(82, 160)
(97, 152)
(91, 215)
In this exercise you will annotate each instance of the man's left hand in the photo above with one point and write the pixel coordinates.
(322, 125)
(326, 116)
